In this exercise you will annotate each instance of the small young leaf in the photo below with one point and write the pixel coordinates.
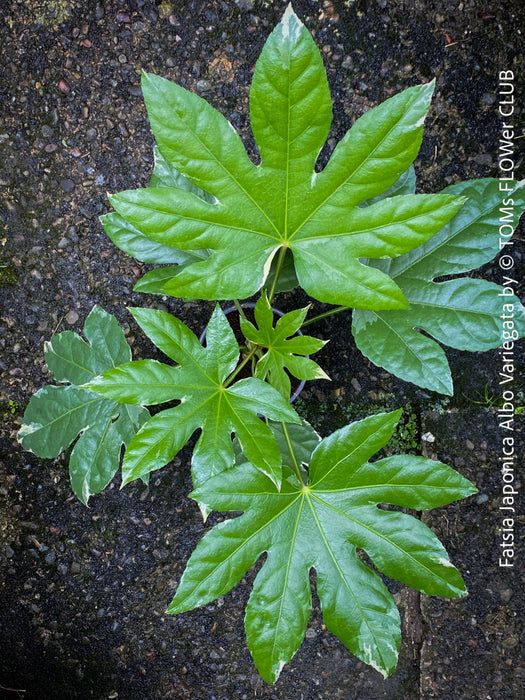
(282, 351)
(463, 313)
(56, 415)
(321, 524)
(205, 401)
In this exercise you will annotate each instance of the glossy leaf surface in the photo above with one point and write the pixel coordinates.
(320, 525)
(206, 402)
(257, 211)
(299, 438)
(462, 313)
(282, 350)
(56, 415)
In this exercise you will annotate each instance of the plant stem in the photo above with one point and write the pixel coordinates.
(239, 367)
(240, 309)
(278, 268)
(331, 312)
(292, 454)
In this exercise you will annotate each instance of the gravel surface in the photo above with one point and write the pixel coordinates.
(83, 591)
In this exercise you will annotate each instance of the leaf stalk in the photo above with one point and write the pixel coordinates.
(292, 454)
(330, 312)
(278, 268)
(236, 371)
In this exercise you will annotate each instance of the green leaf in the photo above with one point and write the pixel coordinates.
(134, 243)
(56, 415)
(284, 202)
(206, 401)
(405, 184)
(320, 525)
(302, 437)
(281, 352)
(166, 175)
(462, 313)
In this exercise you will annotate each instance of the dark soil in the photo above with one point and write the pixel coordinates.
(84, 590)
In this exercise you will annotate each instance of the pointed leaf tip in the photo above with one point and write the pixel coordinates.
(290, 23)
(289, 12)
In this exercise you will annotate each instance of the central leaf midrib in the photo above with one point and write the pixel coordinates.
(373, 228)
(71, 361)
(87, 480)
(201, 220)
(184, 419)
(71, 411)
(350, 175)
(232, 177)
(455, 309)
(355, 282)
(381, 536)
(446, 241)
(285, 584)
(243, 543)
(349, 455)
(288, 144)
(341, 572)
(410, 349)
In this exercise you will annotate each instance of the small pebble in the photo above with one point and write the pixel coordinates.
(482, 498)
(483, 159)
(506, 595)
(203, 86)
(63, 243)
(67, 185)
(50, 557)
(71, 317)
(310, 633)
(75, 567)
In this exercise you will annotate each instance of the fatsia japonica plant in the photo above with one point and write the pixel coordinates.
(353, 235)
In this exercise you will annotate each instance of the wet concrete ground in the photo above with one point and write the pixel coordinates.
(83, 591)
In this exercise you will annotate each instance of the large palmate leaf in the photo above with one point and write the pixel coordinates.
(206, 401)
(56, 415)
(321, 524)
(283, 210)
(463, 313)
(282, 351)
